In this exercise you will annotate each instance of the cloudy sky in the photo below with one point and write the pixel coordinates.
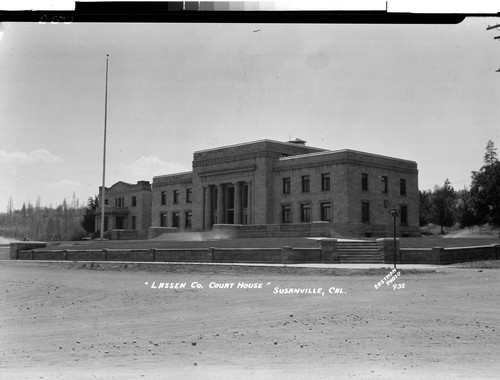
(427, 93)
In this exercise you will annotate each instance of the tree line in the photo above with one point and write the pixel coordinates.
(43, 223)
(469, 207)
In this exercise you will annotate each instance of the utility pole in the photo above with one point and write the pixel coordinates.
(103, 191)
(496, 37)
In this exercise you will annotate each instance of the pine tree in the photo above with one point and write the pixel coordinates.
(10, 206)
(490, 156)
(88, 221)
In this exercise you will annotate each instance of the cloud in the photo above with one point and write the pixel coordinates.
(145, 168)
(35, 157)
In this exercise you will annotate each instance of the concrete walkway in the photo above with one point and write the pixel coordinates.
(388, 266)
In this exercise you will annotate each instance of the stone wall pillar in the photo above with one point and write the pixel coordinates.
(329, 251)
(17, 246)
(286, 254)
(386, 248)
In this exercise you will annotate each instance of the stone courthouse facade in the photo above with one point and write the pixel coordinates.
(266, 182)
(127, 207)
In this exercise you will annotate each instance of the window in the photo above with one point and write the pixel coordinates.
(133, 222)
(119, 202)
(134, 202)
(404, 215)
(106, 202)
(306, 182)
(163, 220)
(365, 212)
(364, 181)
(175, 219)
(305, 213)
(385, 184)
(402, 186)
(188, 223)
(286, 185)
(176, 197)
(163, 197)
(325, 181)
(326, 211)
(189, 195)
(286, 214)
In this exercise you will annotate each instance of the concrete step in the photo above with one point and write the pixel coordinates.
(359, 252)
(361, 259)
(371, 249)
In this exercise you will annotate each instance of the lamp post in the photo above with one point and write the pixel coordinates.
(395, 214)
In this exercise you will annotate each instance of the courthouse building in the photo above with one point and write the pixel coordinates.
(126, 207)
(274, 183)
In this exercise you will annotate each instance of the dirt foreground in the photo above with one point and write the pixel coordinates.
(60, 323)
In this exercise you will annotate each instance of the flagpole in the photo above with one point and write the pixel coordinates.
(103, 191)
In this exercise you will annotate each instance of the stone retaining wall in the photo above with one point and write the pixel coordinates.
(439, 255)
(326, 254)
(213, 255)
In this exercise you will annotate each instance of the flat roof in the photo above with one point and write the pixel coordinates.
(172, 175)
(298, 156)
(259, 141)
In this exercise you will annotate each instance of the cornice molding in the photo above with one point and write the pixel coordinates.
(228, 171)
(288, 165)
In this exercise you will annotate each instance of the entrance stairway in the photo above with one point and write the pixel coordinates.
(359, 251)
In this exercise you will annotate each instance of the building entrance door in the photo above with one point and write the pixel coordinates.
(230, 217)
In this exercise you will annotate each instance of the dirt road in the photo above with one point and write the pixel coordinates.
(80, 323)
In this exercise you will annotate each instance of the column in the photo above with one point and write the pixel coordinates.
(220, 204)
(237, 203)
(208, 208)
(250, 203)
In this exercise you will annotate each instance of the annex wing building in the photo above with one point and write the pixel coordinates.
(274, 186)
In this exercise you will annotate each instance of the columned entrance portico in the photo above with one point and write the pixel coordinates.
(226, 203)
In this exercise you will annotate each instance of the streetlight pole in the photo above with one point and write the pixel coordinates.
(395, 214)
(103, 191)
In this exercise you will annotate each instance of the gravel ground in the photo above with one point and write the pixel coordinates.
(79, 323)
